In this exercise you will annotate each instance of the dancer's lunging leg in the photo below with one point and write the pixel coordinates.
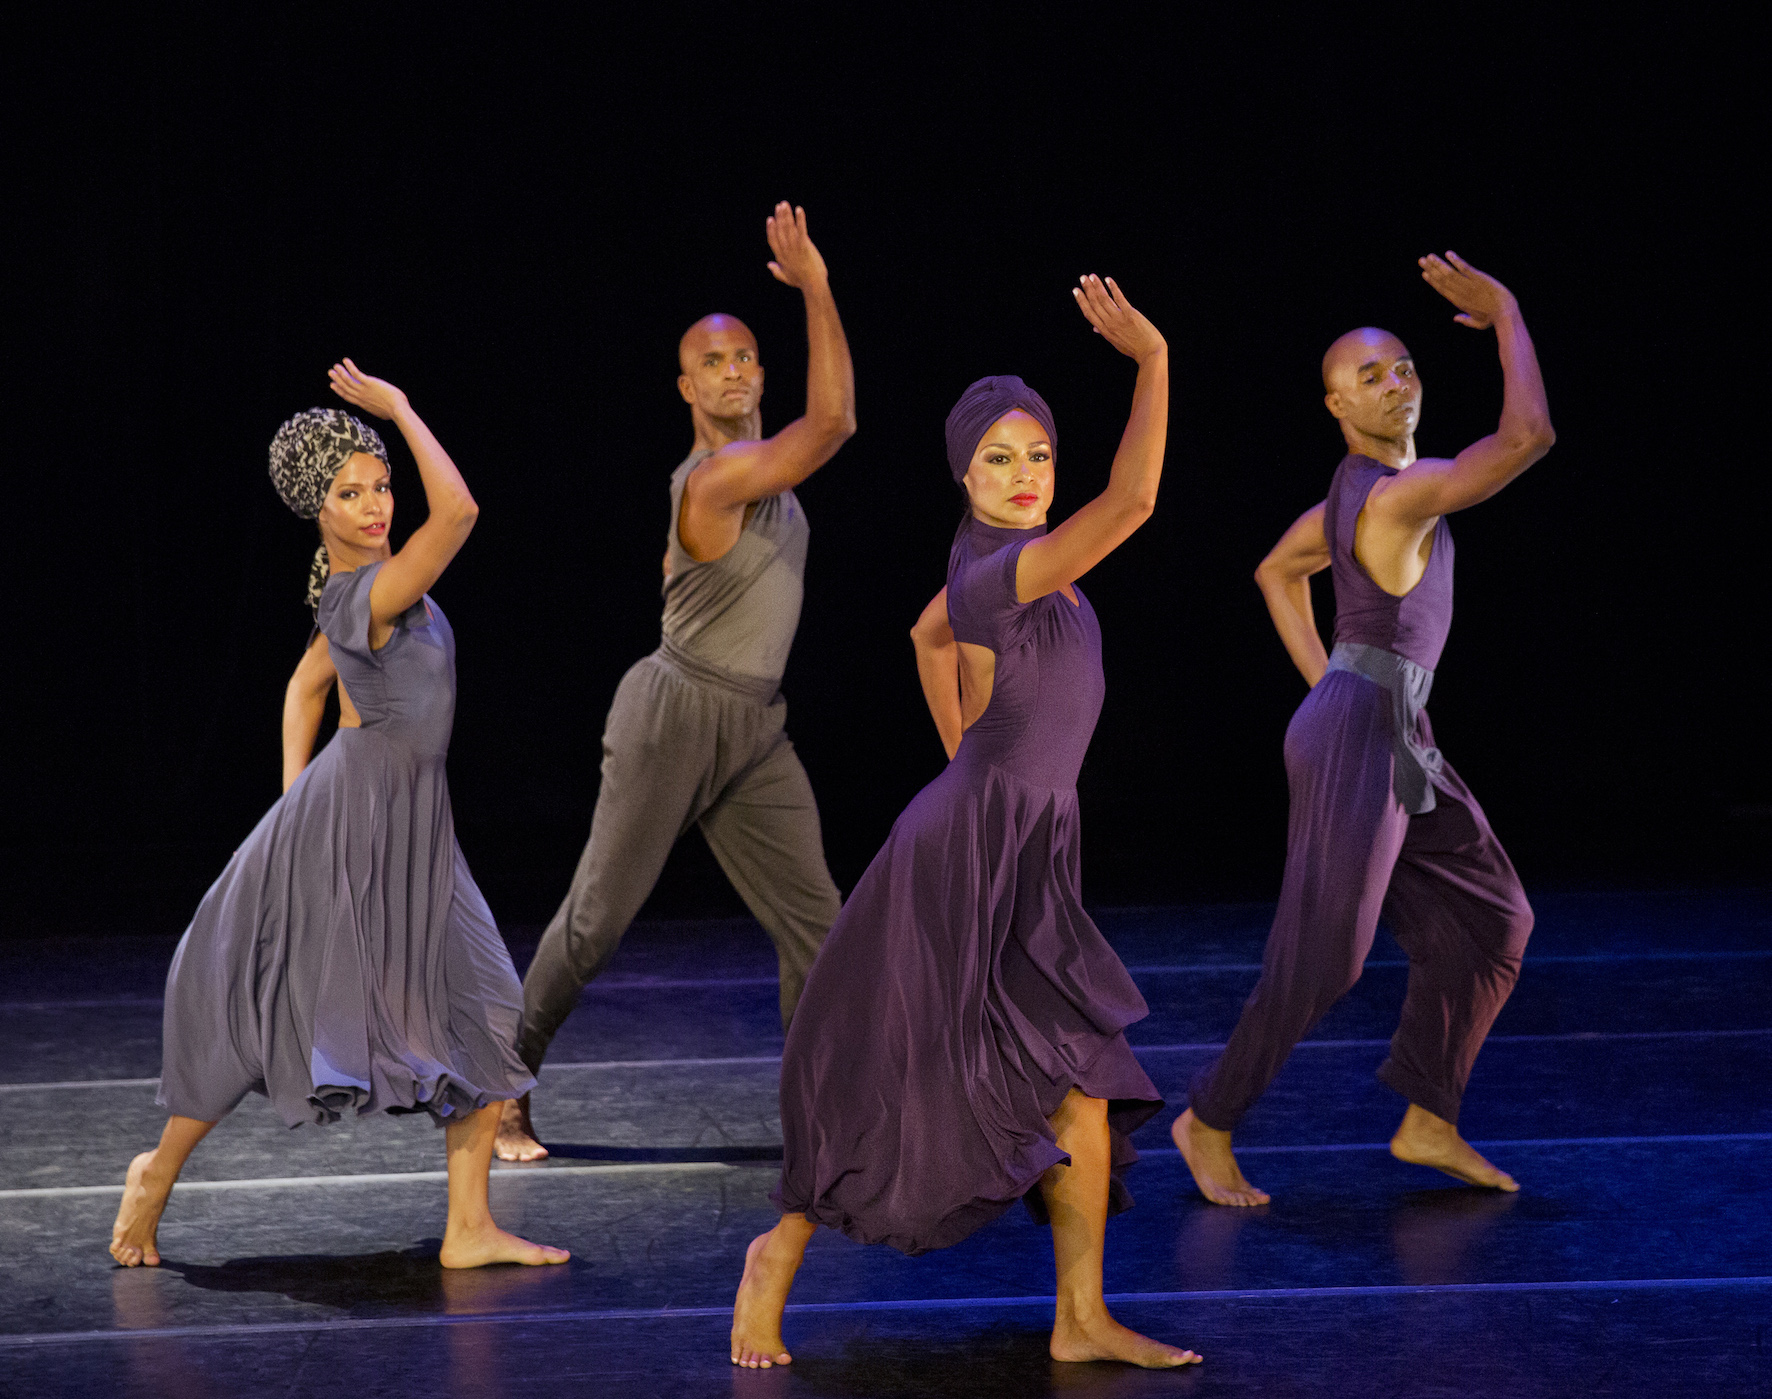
(470, 1238)
(1076, 1197)
(146, 1188)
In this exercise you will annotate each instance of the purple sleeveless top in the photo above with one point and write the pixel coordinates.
(1413, 626)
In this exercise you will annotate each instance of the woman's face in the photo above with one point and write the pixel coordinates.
(358, 510)
(1010, 479)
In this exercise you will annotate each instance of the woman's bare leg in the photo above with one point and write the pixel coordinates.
(769, 1267)
(471, 1239)
(145, 1189)
(1076, 1197)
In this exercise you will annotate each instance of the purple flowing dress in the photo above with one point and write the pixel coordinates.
(963, 991)
(345, 960)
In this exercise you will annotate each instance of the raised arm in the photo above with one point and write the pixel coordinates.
(304, 703)
(742, 472)
(1101, 526)
(1284, 578)
(938, 667)
(1431, 488)
(451, 511)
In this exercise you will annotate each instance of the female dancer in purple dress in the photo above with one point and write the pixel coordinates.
(345, 958)
(960, 1041)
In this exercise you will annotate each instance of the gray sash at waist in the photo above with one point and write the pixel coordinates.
(752, 687)
(1414, 762)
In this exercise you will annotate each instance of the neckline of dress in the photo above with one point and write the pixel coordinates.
(1006, 534)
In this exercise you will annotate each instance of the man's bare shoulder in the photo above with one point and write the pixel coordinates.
(724, 472)
(1397, 491)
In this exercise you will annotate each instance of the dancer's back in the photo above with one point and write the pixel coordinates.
(1413, 625)
(1047, 690)
(405, 692)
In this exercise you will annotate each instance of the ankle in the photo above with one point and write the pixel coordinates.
(155, 1175)
(474, 1222)
(1079, 1311)
(1200, 1130)
(1419, 1122)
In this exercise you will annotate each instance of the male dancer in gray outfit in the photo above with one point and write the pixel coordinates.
(695, 734)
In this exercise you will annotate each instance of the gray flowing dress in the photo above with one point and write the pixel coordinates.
(345, 958)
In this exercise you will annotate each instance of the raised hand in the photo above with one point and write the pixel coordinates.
(373, 395)
(797, 262)
(1480, 299)
(1115, 319)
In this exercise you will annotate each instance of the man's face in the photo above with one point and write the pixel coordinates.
(1373, 387)
(721, 375)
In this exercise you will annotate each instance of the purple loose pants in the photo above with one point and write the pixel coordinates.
(1440, 878)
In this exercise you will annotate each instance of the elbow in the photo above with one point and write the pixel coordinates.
(465, 513)
(1533, 438)
(839, 427)
(1138, 507)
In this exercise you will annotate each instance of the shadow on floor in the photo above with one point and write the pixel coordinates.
(406, 1281)
(1007, 1360)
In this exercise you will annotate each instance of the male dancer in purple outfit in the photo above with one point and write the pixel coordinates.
(1379, 819)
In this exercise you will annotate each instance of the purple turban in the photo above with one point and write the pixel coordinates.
(981, 405)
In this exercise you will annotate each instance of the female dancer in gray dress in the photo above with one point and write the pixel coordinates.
(960, 1044)
(345, 958)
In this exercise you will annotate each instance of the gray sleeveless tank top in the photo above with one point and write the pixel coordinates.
(739, 613)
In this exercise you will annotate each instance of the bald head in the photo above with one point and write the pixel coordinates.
(720, 378)
(715, 334)
(1358, 349)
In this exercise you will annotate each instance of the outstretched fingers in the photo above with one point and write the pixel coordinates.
(1441, 275)
(1093, 301)
(349, 382)
(789, 241)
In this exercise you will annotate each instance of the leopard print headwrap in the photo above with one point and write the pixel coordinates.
(306, 454)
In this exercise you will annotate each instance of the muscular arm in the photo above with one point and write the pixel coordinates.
(304, 702)
(1429, 489)
(938, 667)
(741, 473)
(450, 509)
(1106, 522)
(1284, 578)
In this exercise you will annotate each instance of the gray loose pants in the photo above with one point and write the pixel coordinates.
(683, 747)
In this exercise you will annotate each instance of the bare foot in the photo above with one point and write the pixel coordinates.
(475, 1248)
(1427, 1140)
(138, 1217)
(1100, 1337)
(516, 1134)
(1207, 1152)
(762, 1293)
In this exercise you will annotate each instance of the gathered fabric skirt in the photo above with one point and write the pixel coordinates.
(345, 959)
(961, 994)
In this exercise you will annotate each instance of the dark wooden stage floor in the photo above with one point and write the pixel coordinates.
(1628, 1086)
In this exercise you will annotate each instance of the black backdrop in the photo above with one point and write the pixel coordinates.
(515, 223)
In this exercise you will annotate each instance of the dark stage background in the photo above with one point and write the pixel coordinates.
(515, 223)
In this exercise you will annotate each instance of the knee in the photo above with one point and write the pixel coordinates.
(1514, 927)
